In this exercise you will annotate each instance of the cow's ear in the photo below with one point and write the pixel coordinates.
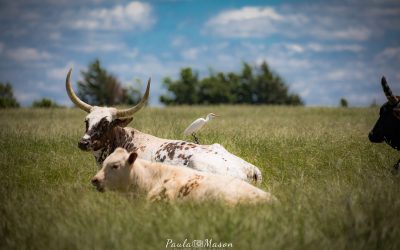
(122, 122)
(132, 157)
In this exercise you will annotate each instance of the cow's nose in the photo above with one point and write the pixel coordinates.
(84, 144)
(371, 136)
(374, 138)
(95, 182)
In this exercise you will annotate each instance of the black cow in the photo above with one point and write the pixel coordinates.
(387, 128)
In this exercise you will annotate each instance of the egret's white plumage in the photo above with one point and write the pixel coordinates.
(198, 124)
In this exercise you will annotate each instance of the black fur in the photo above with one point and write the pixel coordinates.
(387, 129)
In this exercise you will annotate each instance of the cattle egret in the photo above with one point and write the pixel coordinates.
(197, 125)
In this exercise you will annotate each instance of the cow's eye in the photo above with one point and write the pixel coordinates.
(114, 166)
(87, 124)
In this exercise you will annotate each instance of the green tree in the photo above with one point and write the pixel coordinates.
(243, 88)
(45, 103)
(98, 87)
(343, 103)
(7, 98)
(215, 89)
(184, 90)
(257, 85)
(271, 89)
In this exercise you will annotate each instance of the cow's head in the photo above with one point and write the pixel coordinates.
(102, 120)
(387, 128)
(115, 171)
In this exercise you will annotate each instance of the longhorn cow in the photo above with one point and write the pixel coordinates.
(106, 130)
(387, 127)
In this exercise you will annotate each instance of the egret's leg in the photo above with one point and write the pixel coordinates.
(196, 140)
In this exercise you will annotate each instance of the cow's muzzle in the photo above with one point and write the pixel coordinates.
(84, 144)
(97, 184)
(373, 137)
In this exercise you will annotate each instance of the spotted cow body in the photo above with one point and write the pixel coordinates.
(207, 158)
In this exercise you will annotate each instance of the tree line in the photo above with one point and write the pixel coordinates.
(7, 98)
(252, 85)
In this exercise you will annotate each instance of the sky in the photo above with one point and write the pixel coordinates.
(324, 50)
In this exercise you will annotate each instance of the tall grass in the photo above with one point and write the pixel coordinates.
(335, 188)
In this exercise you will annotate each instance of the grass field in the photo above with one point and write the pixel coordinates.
(335, 187)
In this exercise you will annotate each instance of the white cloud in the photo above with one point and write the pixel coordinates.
(55, 36)
(250, 22)
(149, 66)
(284, 63)
(49, 87)
(351, 33)
(59, 73)
(178, 41)
(317, 22)
(335, 75)
(26, 97)
(190, 54)
(135, 15)
(131, 53)
(244, 14)
(390, 53)
(104, 46)
(295, 48)
(316, 47)
(27, 54)
(387, 62)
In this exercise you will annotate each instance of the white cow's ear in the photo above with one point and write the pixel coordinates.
(122, 122)
(132, 157)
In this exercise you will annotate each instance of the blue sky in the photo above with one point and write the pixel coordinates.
(324, 50)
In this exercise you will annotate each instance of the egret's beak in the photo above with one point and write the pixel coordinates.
(216, 115)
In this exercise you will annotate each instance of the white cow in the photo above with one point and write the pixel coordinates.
(122, 171)
(106, 130)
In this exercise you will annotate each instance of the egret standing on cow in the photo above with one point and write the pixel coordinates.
(197, 125)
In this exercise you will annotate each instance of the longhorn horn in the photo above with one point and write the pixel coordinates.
(388, 92)
(78, 102)
(133, 110)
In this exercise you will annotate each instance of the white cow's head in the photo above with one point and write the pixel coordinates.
(115, 171)
(101, 121)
